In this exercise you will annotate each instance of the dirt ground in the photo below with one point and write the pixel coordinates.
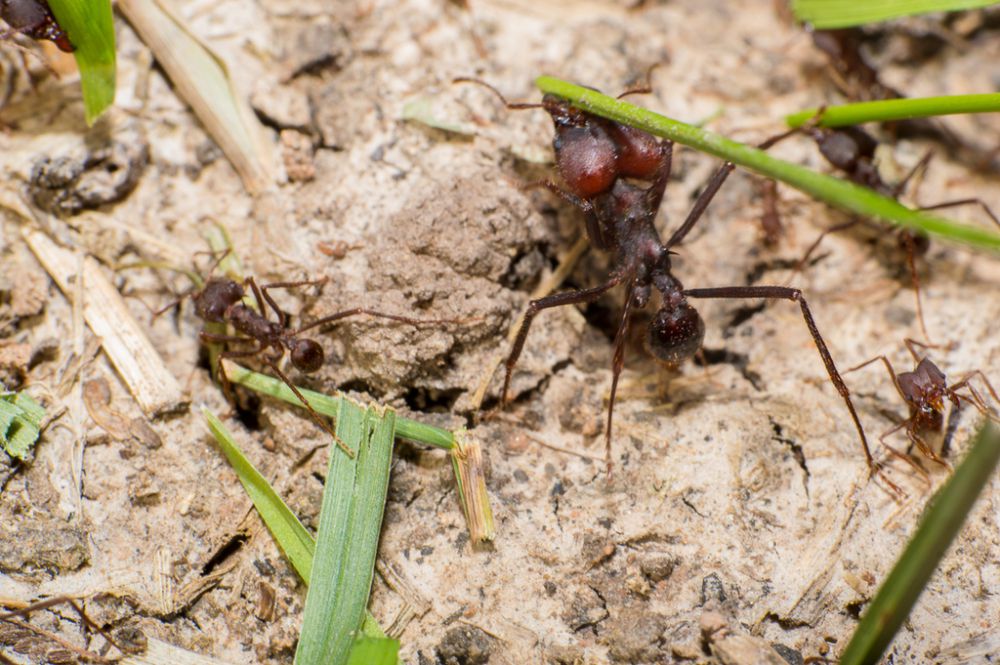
(740, 495)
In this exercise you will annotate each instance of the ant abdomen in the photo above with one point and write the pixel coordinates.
(675, 334)
(306, 354)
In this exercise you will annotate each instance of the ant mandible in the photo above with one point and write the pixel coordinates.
(924, 390)
(34, 18)
(620, 218)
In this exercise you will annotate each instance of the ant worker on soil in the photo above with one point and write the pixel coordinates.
(600, 160)
(224, 302)
(924, 390)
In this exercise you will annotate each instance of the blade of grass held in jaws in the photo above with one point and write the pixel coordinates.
(834, 191)
(887, 110)
(328, 406)
(825, 14)
(91, 30)
(941, 522)
(349, 524)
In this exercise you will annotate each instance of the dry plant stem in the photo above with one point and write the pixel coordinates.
(545, 287)
(202, 80)
(123, 339)
(162, 653)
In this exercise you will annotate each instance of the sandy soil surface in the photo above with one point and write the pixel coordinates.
(740, 496)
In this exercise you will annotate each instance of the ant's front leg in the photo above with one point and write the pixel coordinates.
(282, 316)
(536, 306)
(795, 295)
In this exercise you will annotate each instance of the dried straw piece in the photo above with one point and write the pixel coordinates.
(123, 339)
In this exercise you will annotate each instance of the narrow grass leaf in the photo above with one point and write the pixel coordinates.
(824, 14)
(297, 544)
(941, 522)
(369, 651)
(20, 422)
(292, 537)
(834, 191)
(887, 110)
(91, 30)
(349, 524)
(328, 406)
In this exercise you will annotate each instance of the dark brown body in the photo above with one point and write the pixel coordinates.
(34, 19)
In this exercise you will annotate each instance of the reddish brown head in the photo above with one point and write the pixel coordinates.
(924, 388)
(215, 298)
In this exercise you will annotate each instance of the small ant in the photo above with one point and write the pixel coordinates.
(924, 390)
(620, 218)
(34, 18)
(852, 151)
(220, 301)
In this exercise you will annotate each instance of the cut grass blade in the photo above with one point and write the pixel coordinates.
(293, 538)
(349, 524)
(467, 462)
(941, 523)
(20, 420)
(91, 30)
(824, 14)
(328, 406)
(834, 191)
(887, 110)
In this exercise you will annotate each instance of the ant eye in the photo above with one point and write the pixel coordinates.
(307, 355)
(675, 334)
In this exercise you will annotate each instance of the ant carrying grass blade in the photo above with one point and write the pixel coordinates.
(924, 390)
(599, 159)
(851, 150)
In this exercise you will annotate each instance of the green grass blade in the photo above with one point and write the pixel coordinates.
(834, 191)
(90, 28)
(941, 523)
(368, 651)
(349, 524)
(20, 422)
(328, 406)
(887, 110)
(824, 14)
(293, 538)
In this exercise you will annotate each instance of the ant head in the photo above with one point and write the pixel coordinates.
(924, 387)
(563, 113)
(586, 159)
(307, 355)
(213, 300)
(675, 333)
(640, 154)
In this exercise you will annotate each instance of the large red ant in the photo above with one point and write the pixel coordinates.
(34, 18)
(924, 390)
(852, 151)
(620, 218)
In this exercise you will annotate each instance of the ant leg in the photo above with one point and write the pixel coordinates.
(282, 316)
(795, 295)
(84, 655)
(910, 246)
(977, 399)
(961, 202)
(617, 363)
(259, 297)
(357, 311)
(703, 200)
(536, 306)
(227, 388)
(511, 105)
(595, 230)
(315, 416)
(770, 219)
(921, 164)
(888, 367)
(812, 248)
